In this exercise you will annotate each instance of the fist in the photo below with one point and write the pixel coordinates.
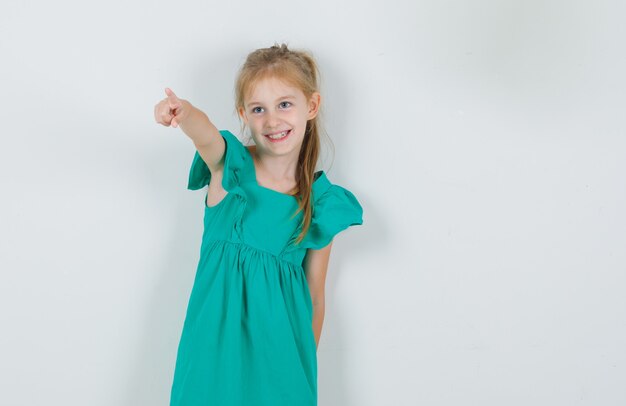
(171, 110)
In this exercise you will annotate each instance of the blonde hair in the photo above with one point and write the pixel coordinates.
(297, 68)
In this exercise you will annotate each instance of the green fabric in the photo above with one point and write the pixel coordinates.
(248, 338)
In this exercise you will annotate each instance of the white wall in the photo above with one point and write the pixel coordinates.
(485, 140)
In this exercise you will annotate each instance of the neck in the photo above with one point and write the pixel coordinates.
(279, 169)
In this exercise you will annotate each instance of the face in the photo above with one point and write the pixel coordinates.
(277, 109)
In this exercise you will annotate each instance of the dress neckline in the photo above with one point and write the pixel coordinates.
(316, 176)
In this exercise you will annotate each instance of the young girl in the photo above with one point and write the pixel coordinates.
(256, 308)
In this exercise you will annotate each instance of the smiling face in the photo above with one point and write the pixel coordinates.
(277, 114)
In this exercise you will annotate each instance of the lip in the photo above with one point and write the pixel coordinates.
(278, 132)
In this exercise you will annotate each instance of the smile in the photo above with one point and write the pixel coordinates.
(276, 137)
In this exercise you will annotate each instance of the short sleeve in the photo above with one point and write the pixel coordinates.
(234, 164)
(334, 211)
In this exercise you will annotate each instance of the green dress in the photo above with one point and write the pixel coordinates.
(248, 338)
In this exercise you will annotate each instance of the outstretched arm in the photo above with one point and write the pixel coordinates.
(195, 124)
(316, 266)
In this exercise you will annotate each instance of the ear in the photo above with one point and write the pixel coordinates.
(314, 105)
(243, 115)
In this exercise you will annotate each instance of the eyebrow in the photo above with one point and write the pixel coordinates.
(280, 98)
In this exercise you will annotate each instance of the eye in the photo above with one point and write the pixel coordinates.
(286, 102)
(254, 109)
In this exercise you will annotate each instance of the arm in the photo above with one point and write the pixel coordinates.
(316, 266)
(205, 136)
(196, 125)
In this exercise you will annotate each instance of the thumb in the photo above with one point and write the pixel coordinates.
(175, 121)
(172, 99)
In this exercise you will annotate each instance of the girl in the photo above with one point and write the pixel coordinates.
(255, 313)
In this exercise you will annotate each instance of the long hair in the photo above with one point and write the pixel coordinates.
(298, 69)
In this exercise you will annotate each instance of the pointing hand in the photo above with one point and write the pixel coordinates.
(171, 110)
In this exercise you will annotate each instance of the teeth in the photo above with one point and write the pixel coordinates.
(277, 136)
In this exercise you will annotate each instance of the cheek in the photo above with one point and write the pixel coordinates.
(298, 116)
(305, 117)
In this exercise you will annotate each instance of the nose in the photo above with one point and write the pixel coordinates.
(272, 120)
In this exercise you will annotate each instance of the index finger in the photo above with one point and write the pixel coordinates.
(171, 97)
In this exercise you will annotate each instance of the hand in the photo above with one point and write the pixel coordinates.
(171, 110)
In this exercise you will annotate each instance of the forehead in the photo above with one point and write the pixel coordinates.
(270, 89)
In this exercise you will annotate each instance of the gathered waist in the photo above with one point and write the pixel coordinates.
(244, 246)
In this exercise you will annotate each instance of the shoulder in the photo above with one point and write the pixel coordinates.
(335, 208)
(324, 188)
(333, 201)
(236, 164)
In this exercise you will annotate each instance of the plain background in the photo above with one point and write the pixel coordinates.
(485, 141)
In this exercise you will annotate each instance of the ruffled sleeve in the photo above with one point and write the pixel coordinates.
(334, 211)
(234, 165)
